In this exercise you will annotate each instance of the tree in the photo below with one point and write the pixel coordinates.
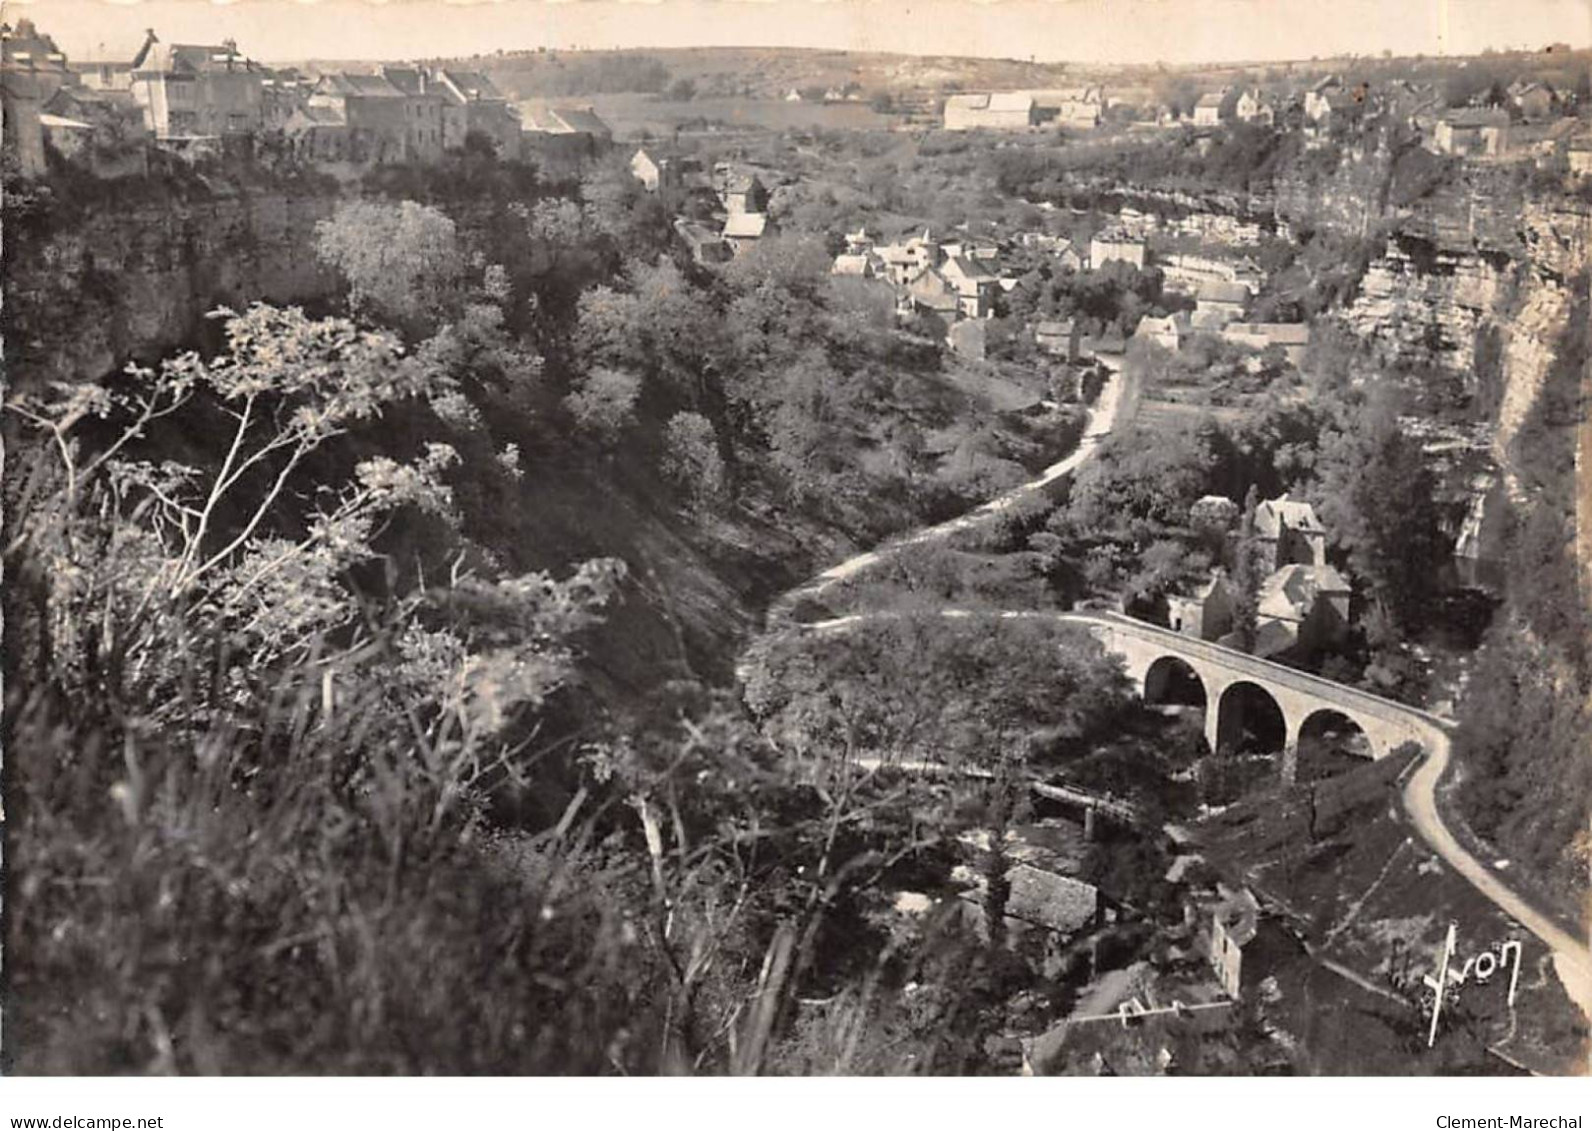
(1377, 498)
(604, 403)
(402, 261)
(682, 90)
(1248, 569)
(691, 457)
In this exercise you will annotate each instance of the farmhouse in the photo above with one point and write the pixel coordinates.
(1011, 110)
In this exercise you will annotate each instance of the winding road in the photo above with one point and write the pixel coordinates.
(1572, 958)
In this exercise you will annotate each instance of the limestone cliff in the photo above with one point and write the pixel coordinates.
(83, 297)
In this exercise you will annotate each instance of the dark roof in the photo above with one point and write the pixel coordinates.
(473, 86)
(583, 119)
(408, 80)
(360, 86)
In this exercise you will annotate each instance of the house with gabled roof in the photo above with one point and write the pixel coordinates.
(372, 110)
(192, 90)
(473, 104)
(1208, 108)
(1005, 110)
(975, 287)
(742, 230)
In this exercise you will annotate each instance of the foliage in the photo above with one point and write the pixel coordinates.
(604, 403)
(402, 261)
(691, 456)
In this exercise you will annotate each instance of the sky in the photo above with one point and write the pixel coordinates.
(1093, 31)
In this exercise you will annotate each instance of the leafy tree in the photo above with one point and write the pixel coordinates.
(604, 403)
(691, 456)
(402, 261)
(1377, 497)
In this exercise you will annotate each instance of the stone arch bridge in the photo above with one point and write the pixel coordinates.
(1224, 678)
(1155, 657)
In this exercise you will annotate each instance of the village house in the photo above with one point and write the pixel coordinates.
(1115, 244)
(472, 104)
(1242, 943)
(974, 286)
(931, 291)
(1205, 611)
(370, 110)
(318, 133)
(1058, 338)
(564, 138)
(1254, 107)
(1289, 533)
(1534, 100)
(1077, 108)
(1472, 132)
(904, 260)
(422, 112)
(1011, 110)
(1292, 337)
(655, 172)
(742, 230)
(744, 192)
(1216, 303)
(1164, 332)
(858, 265)
(706, 245)
(197, 90)
(1208, 109)
(1301, 608)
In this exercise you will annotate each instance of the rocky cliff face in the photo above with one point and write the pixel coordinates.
(81, 300)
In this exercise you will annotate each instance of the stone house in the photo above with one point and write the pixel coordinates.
(1205, 612)
(1534, 100)
(32, 70)
(742, 230)
(1070, 108)
(744, 192)
(654, 171)
(1058, 338)
(1302, 608)
(1292, 337)
(1290, 533)
(318, 133)
(1011, 110)
(422, 112)
(1217, 303)
(975, 287)
(931, 291)
(472, 104)
(1114, 244)
(197, 90)
(372, 111)
(566, 138)
(1472, 131)
(1208, 109)
(1164, 332)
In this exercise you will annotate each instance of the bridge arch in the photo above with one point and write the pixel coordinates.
(1173, 680)
(1331, 740)
(1249, 719)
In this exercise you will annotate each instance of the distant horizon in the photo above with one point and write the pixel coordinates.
(1078, 32)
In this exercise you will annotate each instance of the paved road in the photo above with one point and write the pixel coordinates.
(1572, 960)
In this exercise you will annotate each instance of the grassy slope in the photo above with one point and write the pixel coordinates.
(1358, 885)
